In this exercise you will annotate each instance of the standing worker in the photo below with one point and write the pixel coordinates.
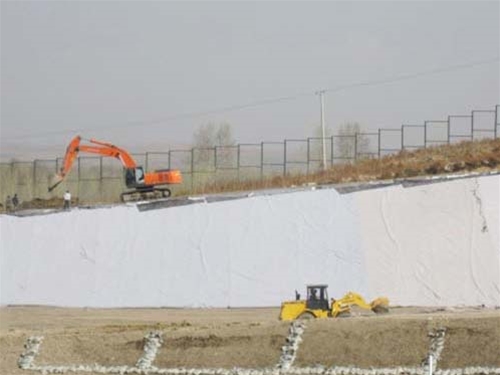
(67, 200)
(15, 201)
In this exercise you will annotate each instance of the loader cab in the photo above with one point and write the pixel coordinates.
(317, 297)
(134, 177)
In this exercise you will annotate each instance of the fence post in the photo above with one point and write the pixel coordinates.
(355, 146)
(284, 158)
(379, 143)
(33, 193)
(472, 125)
(261, 161)
(402, 137)
(192, 170)
(331, 151)
(425, 134)
(308, 153)
(78, 182)
(215, 166)
(496, 121)
(448, 130)
(13, 186)
(215, 159)
(238, 162)
(101, 181)
(78, 169)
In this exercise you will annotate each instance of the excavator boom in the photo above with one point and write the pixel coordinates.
(103, 148)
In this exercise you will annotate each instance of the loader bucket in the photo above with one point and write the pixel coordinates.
(380, 305)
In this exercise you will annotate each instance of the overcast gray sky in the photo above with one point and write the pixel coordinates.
(127, 71)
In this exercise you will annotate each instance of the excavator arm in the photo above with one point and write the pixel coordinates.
(99, 148)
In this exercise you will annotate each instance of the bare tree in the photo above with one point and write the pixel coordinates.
(351, 142)
(212, 143)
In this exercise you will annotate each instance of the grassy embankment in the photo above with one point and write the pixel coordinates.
(478, 156)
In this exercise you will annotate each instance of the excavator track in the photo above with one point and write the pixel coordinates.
(145, 194)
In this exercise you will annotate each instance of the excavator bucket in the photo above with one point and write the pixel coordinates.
(56, 180)
(380, 305)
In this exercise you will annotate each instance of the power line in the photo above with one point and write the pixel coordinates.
(166, 119)
(412, 75)
(262, 102)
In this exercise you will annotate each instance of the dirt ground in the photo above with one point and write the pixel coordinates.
(247, 338)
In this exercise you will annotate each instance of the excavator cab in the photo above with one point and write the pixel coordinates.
(134, 177)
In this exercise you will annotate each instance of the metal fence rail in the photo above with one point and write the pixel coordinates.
(98, 179)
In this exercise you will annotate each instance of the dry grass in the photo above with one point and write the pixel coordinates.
(461, 157)
(468, 156)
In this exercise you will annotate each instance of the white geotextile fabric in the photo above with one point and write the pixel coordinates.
(433, 244)
(425, 245)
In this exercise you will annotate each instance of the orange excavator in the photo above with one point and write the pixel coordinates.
(144, 185)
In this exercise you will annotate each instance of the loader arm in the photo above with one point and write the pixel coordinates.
(99, 148)
(343, 305)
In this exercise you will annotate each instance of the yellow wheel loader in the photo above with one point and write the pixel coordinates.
(317, 305)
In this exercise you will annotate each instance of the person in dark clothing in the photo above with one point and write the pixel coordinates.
(15, 201)
(314, 294)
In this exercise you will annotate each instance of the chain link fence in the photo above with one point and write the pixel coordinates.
(99, 180)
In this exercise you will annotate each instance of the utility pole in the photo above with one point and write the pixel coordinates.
(323, 135)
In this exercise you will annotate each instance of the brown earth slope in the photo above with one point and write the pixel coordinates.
(246, 337)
